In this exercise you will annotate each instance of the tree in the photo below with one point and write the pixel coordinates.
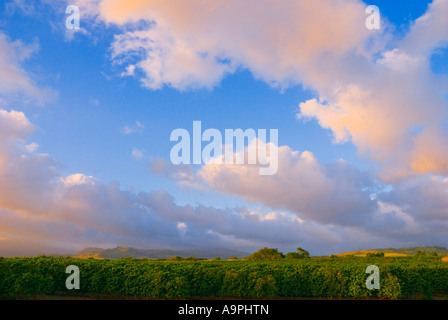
(266, 254)
(176, 258)
(300, 254)
(191, 258)
(375, 255)
(303, 253)
(292, 255)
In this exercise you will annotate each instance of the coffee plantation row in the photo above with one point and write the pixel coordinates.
(341, 277)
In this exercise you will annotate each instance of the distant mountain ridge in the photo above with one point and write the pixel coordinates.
(130, 252)
(400, 251)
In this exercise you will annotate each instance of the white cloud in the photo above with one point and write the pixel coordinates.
(135, 128)
(195, 44)
(15, 83)
(167, 61)
(14, 125)
(27, 7)
(94, 101)
(182, 227)
(31, 147)
(137, 154)
(77, 179)
(429, 31)
(69, 34)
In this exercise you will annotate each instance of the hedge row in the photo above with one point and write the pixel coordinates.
(313, 278)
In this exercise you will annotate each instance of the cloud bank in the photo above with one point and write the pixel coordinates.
(38, 205)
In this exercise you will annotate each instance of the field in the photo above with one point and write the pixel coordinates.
(363, 253)
(328, 278)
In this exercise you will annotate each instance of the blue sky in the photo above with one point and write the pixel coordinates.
(78, 71)
(81, 122)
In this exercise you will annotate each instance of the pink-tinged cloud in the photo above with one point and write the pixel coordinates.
(337, 195)
(194, 44)
(331, 194)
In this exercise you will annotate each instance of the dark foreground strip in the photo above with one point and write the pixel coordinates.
(219, 309)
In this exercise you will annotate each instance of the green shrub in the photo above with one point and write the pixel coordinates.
(314, 277)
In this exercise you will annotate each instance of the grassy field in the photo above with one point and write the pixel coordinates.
(363, 253)
(316, 278)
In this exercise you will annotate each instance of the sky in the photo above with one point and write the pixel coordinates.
(86, 117)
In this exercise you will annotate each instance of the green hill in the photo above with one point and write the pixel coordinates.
(399, 251)
(413, 250)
